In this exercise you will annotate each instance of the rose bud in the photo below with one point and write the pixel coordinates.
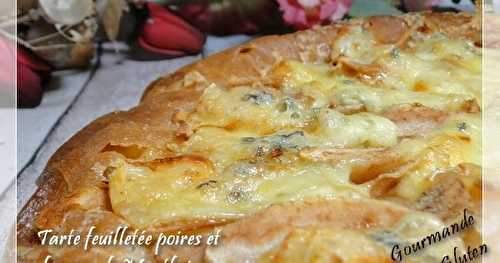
(247, 17)
(419, 5)
(303, 14)
(165, 33)
(32, 73)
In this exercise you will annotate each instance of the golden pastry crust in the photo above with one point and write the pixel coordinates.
(74, 182)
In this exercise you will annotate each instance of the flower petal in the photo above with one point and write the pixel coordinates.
(167, 33)
(26, 58)
(246, 17)
(294, 15)
(29, 87)
(67, 12)
(419, 5)
(305, 13)
(154, 49)
(158, 11)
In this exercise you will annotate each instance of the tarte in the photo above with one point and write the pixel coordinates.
(332, 144)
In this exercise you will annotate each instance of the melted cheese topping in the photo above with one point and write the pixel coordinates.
(314, 244)
(445, 148)
(189, 188)
(244, 151)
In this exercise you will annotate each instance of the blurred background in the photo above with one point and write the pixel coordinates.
(491, 128)
(59, 35)
(7, 132)
(7, 89)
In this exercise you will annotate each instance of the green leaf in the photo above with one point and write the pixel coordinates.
(362, 8)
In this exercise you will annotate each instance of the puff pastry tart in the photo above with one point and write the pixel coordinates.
(326, 145)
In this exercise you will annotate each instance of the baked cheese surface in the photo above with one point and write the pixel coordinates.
(392, 125)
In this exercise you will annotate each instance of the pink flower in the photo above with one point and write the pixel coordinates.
(32, 73)
(304, 14)
(419, 5)
(165, 33)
